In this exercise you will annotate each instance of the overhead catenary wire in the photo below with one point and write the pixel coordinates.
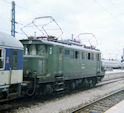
(108, 12)
(8, 4)
(21, 7)
(5, 1)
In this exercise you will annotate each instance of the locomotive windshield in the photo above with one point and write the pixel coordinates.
(35, 50)
(41, 50)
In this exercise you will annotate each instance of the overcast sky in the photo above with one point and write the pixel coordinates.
(103, 18)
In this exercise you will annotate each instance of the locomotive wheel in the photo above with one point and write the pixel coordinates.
(77, 82)
(90, 83)
(85, 83)
(94, 82)
(48, 90)
(73, 85)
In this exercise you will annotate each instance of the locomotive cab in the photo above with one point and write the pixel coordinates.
(37, 64)
(34, 59)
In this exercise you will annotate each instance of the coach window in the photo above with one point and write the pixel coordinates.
(89, 56)
(15, 60)
(1, 58)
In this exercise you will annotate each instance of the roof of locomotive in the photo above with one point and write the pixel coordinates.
(9, 41)
(76, 46)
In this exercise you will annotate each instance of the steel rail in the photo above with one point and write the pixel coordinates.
(78, 110)
(8, 107)
(109, 81)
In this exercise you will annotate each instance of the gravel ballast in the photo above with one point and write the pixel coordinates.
(69, 102)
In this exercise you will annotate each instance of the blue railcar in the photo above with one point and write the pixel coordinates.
(11, 67)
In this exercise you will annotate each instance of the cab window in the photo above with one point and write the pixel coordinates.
(35, 50)
(67, 53)
(83, 55)
(27, 49)
(92, 56)
(77, 54)
(41, 50)
(98, 57)
(89, 56)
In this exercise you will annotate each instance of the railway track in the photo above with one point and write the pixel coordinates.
(109, 81)
(102, 104)
(8, 106)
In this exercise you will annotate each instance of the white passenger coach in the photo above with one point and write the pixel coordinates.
(11, 65)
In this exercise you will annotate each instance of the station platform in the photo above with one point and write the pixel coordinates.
(118, 108)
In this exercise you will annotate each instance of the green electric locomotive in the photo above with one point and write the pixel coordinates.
(52, 65)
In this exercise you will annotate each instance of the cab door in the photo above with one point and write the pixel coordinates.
(60, 60)
(98, 67)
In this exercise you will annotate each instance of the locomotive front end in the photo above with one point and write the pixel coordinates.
(34, 58)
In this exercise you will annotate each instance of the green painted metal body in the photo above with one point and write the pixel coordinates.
(54, 62)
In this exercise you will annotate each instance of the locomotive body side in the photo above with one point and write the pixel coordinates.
(55, 66)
